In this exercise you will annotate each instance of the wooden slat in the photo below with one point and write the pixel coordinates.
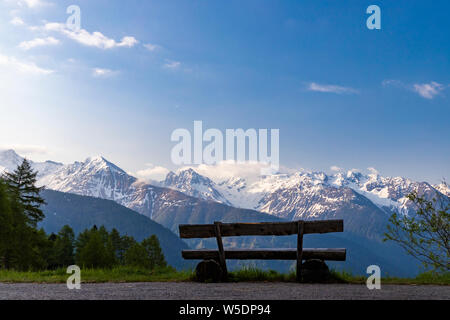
(337, 254)
(223, 263)
(260, 229)
(299, 250)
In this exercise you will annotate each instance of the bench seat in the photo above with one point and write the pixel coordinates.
(335, 254)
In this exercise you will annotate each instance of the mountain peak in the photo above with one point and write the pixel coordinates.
(192, 183)
(9, 154)
(101, 163)
(97, 158)
(9, 159)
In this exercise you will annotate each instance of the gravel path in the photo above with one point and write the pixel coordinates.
(220, 291)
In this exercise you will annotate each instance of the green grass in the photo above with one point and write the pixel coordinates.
(246, 274)
(423, 278)
(117, 274)
(251, 274)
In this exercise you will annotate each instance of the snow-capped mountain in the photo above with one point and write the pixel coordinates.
(9, 160)
(187, 196)
(190, 182)
(443, 188)
(309, 195)
(96, 177)
(299, 195)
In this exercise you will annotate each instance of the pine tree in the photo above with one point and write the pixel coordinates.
(126, 242)
(137, 256)
(17, 238)
(94, 248)
(22, 183)
(93, 254)
(117, 246)
(154, 252)
(64, 247)
(6, 226)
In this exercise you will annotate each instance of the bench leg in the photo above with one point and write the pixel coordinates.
(222, 261)
(299, 250)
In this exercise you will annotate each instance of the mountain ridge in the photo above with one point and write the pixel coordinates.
(189, 197)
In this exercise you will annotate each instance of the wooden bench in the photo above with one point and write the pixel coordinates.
(219, 230)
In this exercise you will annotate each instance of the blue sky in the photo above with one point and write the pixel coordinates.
(341, 94)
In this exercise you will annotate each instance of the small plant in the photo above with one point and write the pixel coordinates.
(425, 235)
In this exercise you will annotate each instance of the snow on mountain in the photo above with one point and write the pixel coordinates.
(190, 182)
(296, 195)
(96, 177)
(306, 194)
(9, 160)
(443, 188)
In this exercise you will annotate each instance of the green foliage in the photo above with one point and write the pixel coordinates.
(84, 212)
(64, 247)
(137, 256)
(22, 184)
(94, 249)
(24, 247)
(425, 235)
(21, 245)
(6, 226)
(154, 252)
(147, 254)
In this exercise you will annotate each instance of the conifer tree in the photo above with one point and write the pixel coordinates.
(64, 246)
(154, 252)
(6, 227)
(22, 183)
(16, 236)
(137, 256)
(93, 254)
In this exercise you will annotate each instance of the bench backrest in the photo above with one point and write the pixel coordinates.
(260, 229)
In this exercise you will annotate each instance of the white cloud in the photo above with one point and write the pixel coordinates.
(425, 90)
(428, 90)
(17, 21)
(151, 47)
(330, 88)
(26, 150)
(335, 168)
(33, 3)
(171, 64)
(23, 66)
(95, 39)
(373, 170)
(102, 73)
(155, 173)
(38, 42)
(392, 82)
(250, 170)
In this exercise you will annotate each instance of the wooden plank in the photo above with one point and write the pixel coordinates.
(335, 254)
(260, 229)
(223, 263)
(299, 250)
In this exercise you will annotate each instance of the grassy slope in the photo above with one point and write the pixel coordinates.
(128, 274)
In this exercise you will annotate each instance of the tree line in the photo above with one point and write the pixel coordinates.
(23, 246)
